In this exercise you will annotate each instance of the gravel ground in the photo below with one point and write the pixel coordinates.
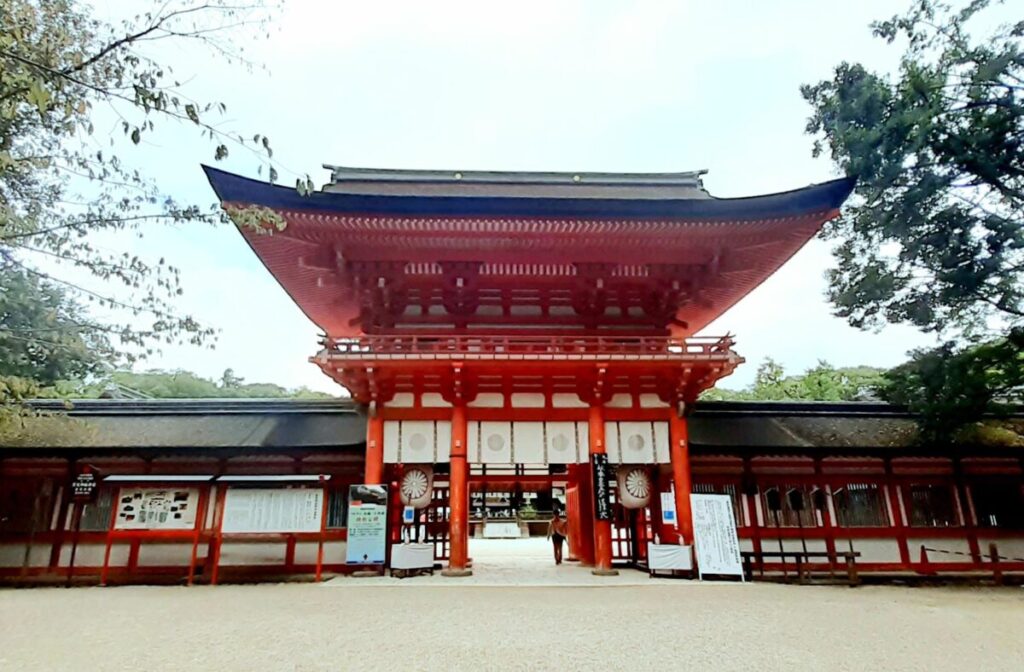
(684, 625)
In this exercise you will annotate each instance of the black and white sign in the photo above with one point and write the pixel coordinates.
(157, 508)
(272, 510)
(83, 488)
(714, 533)
(602, 486)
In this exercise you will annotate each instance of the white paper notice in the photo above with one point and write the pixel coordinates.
(255, 510)
(714, 533)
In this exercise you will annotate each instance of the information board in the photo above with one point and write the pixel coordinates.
(367, 525)
(602, 486)
(714, 533)
(156, 508)
(668, 508)
(272, 510)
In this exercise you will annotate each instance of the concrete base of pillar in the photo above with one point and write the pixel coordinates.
(604, 572)
(456, 573)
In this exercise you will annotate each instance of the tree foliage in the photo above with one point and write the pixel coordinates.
(45, 336)
(180, 384)
(66, 180)
(933, 237)
(953, 387)
(935, 234)
(822, 382)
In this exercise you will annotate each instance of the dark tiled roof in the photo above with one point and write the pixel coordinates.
(189, 423)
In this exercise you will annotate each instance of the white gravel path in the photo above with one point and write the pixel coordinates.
(300, 627)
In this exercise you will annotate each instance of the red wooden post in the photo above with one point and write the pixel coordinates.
(680, 455)
(218, 522)
(204, 498)
(997, 571)
(458, 496)
(602, 528)
(374, 449)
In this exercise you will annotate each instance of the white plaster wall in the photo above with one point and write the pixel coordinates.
(391, 433)
(168, 555)
(234, 553)
(1007, 547)
(956, 545)
(473, 441)
(661, 443)
(611, 442)
(652, 401)
(620, 401)
(434, 400)
(91, 555)
(872, 550)
(417, 442)
(444, 440)
(528, 442)
(488, 400)
(13, 555)
(527, 400)
(402, 400)
(334, 553)
(565, 400)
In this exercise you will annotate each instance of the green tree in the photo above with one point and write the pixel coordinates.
(63, 182)
(934, 236)
(180, 384)
(45, 336)
(952, 387)
(822, 382)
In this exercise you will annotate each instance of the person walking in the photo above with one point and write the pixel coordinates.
(557, 532)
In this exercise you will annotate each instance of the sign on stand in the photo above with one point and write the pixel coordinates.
(714, 533)
(272, 510)
(602, 486)
(367, 525)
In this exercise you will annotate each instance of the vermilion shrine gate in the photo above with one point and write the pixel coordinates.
(504, 328)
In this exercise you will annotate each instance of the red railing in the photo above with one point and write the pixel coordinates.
(530, 345)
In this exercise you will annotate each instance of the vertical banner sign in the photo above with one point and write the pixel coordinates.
(668, 508)
(602, 486)
(367, 524)
(714, 534)
(83, 488)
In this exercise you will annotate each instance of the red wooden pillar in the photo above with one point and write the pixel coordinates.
(680, 454)
(374, 471)
(458, 497)
(602, 528)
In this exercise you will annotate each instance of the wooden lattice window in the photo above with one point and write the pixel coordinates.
(999, 505)
(932, 506)
(860, 505)
(789, 506)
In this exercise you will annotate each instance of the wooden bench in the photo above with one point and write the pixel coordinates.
(801, 560)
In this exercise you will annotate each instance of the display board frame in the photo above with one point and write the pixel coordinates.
(716, 541)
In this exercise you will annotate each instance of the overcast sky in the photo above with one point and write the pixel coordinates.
(574, 86)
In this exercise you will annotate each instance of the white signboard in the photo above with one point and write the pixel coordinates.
(273, 510)
(367, 525)
(157, 508)
(668, 508)
(714, 533)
